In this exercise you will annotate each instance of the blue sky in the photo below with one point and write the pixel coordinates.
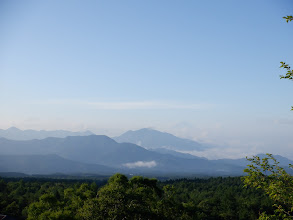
(206, 70)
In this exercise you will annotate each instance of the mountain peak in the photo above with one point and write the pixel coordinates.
(13, 129)
(150, 138)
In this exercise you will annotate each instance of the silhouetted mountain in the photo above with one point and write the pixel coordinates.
(48, 164)
(149, 138)
(13, 174)
(14, 133)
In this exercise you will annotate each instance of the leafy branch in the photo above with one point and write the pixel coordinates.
(288, 18)
(289, 74)
(266, 174)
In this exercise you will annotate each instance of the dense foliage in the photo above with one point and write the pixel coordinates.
(266, 174)
(134, 198)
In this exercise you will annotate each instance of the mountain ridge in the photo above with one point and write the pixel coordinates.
(14, 133)
(86, 152)
(102, 150)
(151, 139)
(48, 164)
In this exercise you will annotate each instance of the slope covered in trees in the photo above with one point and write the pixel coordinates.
(134, 198)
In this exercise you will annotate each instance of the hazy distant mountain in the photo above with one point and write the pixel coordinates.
(96, 149)
(149, 138)
(100, 154)
(48, 164)
(14, 133)
(101, 150)
(283, 161)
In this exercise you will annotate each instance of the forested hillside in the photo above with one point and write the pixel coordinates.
(134, 198)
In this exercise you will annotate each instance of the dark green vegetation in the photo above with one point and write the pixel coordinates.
(134, 198)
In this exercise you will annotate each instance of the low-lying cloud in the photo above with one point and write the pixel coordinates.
(141, 164)
(225, 153)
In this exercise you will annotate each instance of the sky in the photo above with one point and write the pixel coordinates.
(204, 70)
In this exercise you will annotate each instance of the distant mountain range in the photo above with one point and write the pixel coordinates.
(94, 149)
(101, 155)
(14, 133)
(152, 139)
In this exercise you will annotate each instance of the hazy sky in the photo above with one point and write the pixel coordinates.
(206, 70)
